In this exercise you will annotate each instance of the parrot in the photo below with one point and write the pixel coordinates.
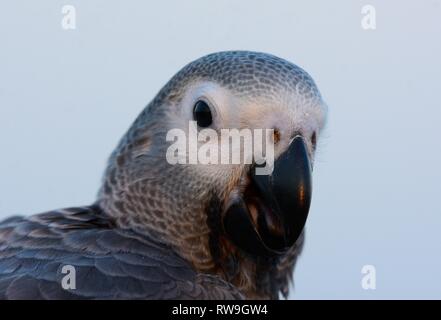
(162, 229)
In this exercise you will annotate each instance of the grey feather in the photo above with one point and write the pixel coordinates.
(110, 263)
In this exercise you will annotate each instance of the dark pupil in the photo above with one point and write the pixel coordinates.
(202, 114)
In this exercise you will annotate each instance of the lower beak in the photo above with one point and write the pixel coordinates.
(281, 201)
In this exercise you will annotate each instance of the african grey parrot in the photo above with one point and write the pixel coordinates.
(187, 231)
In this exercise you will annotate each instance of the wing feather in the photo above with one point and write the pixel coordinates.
(110, 263)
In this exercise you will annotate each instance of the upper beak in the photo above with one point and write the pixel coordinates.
(285, 198)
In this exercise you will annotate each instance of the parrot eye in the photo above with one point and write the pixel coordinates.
(202, 114)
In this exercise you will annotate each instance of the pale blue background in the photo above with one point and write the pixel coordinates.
(66, 97)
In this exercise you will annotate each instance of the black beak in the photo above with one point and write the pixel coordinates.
(272, 213)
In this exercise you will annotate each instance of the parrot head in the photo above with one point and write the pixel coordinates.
(230, 218)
